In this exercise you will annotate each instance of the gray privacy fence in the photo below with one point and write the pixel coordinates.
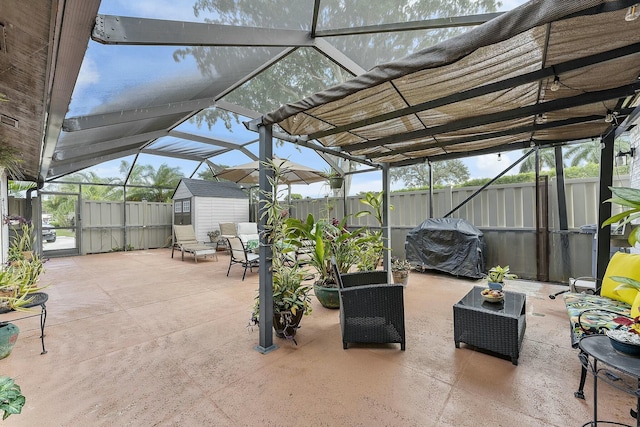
(506, 215)
(108, 226)
(500, 206)
(504, 212)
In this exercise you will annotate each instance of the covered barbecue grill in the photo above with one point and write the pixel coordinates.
(450, 245)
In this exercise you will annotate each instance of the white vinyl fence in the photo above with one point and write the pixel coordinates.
(148, 225)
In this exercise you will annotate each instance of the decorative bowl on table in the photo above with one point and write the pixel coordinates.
(492, 295)
(625, 342)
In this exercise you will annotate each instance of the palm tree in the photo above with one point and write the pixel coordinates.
(589, 152)
(547, 159)
(158, 184)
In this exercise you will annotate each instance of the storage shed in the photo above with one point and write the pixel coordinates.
(205, 204)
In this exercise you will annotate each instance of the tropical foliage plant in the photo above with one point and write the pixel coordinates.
(290, 293)
(11, 398)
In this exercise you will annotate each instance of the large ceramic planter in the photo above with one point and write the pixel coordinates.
(286, 324)
(8, 337)
(400, 277)
(328, 297)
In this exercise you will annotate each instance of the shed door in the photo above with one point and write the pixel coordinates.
(182, 211)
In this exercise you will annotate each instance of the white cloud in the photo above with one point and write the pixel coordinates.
(488, 165)
(160, 9)
(88, 74)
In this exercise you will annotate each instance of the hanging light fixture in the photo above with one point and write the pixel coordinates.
(632, 13)
(541, 118)
(499, 157)
(556, 84)
(621, 157)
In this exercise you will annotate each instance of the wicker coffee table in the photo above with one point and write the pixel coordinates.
(496, 327)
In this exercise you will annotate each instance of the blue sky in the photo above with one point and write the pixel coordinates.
(100, 72)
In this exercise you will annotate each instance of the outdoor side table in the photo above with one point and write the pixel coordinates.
(495, 327)
(620, 371)
(38, 299)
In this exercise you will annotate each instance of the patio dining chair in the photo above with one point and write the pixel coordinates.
(371, 310)
(185, 240)
(240, 255)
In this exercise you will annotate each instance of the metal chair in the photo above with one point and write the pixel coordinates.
(240, 255)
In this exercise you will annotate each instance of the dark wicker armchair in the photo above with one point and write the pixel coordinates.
(371, 311)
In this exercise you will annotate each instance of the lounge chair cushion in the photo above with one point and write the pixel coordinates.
(621, 264)
(598, 316)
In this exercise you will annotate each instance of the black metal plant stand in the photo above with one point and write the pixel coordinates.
(620, 371)
(38, 299)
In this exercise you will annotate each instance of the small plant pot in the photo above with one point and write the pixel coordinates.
(336, 182)
(400, 277)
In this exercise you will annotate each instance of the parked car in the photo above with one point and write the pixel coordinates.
(48, 233)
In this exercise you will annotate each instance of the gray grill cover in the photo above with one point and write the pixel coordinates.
(450, 245)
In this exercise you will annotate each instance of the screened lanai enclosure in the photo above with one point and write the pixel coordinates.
(94, 88)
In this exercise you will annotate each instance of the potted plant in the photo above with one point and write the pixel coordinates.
(331, 239)
(19, 278)
(23, 240)
(335, 179)
(214, 236)
(400, 270)
(497, 275)
(291, 297)
(372, 243)
(11, 398)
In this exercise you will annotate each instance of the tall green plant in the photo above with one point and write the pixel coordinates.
(373, 244)
(289, 291)
(332, 240)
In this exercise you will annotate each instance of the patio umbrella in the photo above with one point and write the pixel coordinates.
(292, 173)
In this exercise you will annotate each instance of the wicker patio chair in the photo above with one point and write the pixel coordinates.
(371, 310)
(240, 255)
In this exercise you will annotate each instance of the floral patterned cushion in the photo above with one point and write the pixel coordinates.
(599, 314)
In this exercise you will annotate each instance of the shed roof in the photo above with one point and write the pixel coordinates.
(205, 188)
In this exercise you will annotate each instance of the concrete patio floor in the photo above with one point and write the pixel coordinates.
(141, 339)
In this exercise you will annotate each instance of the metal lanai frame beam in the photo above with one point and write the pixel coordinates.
(215, 141)
(173, 154)
(427, 24)
(123, 30)
(74, 166)
(87, 151)
(78, 123)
